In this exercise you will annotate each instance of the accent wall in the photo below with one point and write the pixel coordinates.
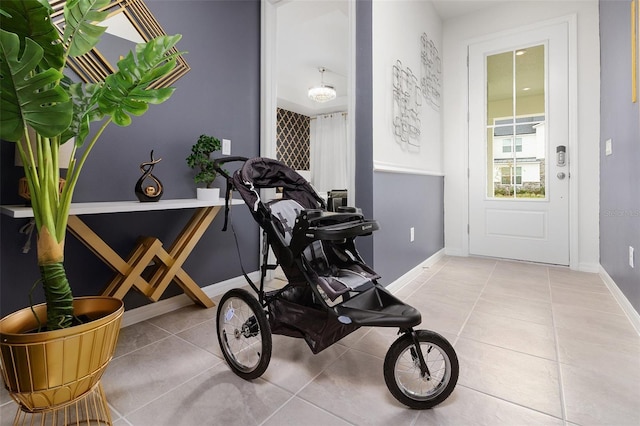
(219, 96)
(619, 177)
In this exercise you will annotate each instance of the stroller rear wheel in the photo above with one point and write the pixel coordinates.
(406, 380)
(244, 334)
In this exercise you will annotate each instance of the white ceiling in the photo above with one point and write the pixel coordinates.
(448, 9)
(312, 34)
(315, 33)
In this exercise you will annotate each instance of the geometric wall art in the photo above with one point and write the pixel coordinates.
(431, 72)
(407, 100)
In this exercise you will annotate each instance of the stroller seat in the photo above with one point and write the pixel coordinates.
(333, 269)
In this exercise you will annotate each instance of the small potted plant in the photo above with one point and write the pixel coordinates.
(200, 159)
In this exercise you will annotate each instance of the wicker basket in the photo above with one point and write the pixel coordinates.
(46, 370)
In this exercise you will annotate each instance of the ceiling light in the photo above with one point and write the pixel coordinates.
(323, 92)
(526, 88)
(520, 52)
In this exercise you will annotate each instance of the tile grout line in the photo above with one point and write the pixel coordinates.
(124, 417)
(563, 404)
(557, 361)
(147, 345)
(421, 284)
(306, 401)
(297, 393)
(517, 351)
(113, 410)
(458, 334)
(508, 401)
(277, 409)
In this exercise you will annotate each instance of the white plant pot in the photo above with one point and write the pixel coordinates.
(208, 194)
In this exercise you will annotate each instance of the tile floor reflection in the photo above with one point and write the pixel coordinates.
(538, 345)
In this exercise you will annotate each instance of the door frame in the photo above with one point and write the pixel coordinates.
(573, 148)
(269, 93)
(268, 82)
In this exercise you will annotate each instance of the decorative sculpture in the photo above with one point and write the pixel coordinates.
(153, 190)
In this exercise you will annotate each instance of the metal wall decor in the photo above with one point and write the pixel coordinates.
(149, 187)
(431, 72)
(128, 16)
(407, 101)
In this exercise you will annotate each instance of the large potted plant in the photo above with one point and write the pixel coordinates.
(200, 159)
(37, 97)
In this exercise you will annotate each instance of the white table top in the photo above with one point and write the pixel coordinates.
(18, 211)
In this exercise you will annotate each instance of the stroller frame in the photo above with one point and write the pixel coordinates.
(330, 293)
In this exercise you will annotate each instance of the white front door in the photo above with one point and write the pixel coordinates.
(519, 146)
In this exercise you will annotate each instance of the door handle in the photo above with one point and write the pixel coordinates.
(561, 175)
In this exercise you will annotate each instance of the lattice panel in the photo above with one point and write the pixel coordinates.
(292, 139)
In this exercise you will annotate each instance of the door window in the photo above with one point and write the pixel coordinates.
(516, 142)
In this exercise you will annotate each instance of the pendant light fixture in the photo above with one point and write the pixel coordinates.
(323, 92)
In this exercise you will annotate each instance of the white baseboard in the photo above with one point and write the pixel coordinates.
(455, 252)
(622, 300)
(151, 310)
(592, 268)
(405, 279)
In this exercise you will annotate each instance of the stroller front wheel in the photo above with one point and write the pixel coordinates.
(244, 334)
(408, 383)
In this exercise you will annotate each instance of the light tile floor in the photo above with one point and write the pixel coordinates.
(538, 345)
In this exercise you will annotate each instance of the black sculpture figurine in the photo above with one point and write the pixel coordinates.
(151, 192)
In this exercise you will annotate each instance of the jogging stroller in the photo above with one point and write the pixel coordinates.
(331, 292)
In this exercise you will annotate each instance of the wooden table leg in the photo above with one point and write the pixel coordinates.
(178, 253)
(128, 273)
(94, 243)
(169, 263)
(138, 261)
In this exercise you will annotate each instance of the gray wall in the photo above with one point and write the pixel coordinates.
(219, 96)
(619, 177)
(364, 120)
(403, 201)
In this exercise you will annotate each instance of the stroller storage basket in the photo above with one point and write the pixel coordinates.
(293, 313)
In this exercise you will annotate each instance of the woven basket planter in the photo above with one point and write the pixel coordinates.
(50, 369)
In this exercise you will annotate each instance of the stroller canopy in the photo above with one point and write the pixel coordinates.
(257, 173)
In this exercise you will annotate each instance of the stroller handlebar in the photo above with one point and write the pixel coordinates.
(217, 166)
(218, 162)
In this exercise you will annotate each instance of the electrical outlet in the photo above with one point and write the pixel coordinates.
(608, 150)
(226, 146)
(631, 260)
(412, 230)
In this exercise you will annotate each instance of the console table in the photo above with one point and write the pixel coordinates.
(166, 264)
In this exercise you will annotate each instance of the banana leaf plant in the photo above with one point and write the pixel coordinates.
(35, 94)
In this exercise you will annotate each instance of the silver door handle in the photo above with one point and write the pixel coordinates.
(561, 175)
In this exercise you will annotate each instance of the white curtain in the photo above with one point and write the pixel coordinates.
(330, 152)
